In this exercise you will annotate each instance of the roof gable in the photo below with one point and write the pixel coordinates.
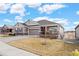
(20, 24)
(46, 22)
(31, 23)
(8, 27)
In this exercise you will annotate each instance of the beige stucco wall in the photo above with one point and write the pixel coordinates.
(34, 27)
(21, 27)
(69, 35)
(34, 30)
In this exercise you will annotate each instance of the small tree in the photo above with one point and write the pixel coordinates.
(45, 35)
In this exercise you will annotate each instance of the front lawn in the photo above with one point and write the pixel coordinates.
(54, 47)
(4, 35)
(1, 35)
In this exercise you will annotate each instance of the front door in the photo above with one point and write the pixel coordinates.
(43, 30)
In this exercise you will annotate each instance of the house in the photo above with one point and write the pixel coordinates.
(69, 35)
(41, 27)
(7, 29)
(77, 32)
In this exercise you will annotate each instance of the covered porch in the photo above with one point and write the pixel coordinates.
(49, 31)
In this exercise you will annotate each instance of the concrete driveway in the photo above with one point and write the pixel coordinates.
(12, 38)
(7, 50)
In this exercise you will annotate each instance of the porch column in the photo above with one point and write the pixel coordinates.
(45, 30)
(28, 31)
(22, 31)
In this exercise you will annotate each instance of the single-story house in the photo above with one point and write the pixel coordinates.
(7, 29)
(41, 27)
(77, 32)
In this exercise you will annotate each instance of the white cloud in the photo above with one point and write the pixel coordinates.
(70, 28)
(4, 7)
(76, 23)
(50, 8)
(1, 25)
(7, 20)
(18, 8)
(77, 12)
(41, 18)
(5, 1)
(61, 21)
(33, 5)
(19, 19)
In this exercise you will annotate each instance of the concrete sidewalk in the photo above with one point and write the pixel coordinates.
(7, 50)
(13, 38)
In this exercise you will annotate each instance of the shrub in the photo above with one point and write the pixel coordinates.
(75, 53)
(12, 34)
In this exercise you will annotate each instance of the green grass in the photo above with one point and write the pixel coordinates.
(3, 36)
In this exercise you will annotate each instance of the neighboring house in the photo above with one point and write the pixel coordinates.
(69, 35)
(41, 27)
(7, 29)
(77, 32)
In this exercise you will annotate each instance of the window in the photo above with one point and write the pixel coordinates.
(54, 28)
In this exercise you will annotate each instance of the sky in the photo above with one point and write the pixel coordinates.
(66, 14)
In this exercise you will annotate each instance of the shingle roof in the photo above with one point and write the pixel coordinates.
(21, 24)
(77, 26)
(24, 24)
(8, 26)
(41, 22)
(46, 22)
(31, 22)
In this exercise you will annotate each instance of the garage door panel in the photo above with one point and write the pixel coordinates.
(34, 32)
